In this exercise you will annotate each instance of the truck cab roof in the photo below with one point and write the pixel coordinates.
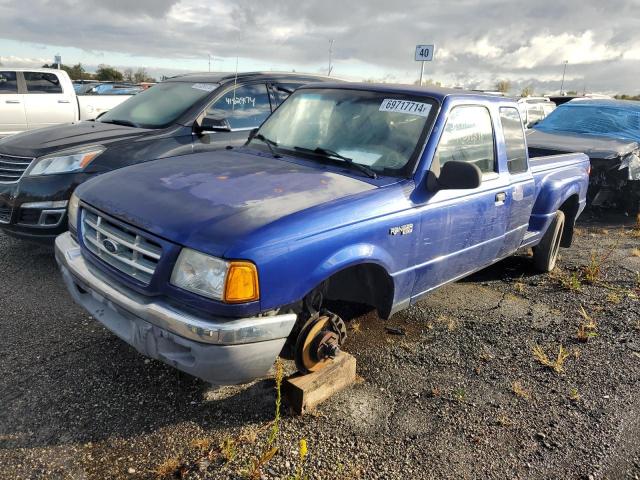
(224, 77)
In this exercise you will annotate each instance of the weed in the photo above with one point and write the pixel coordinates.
(355, 327)
(459, 394)
(574, 395)
(520, 391)
(557, 365)
(203, 444)
(568, 282)
(576, 353)
(435, 391)
(254, 472)
(614, 298)
(593, 271)
(587, 329)
(604, 231)
(168, 468)
(635, 252)
(519, 286)
(578, 232)
(302, 455)
(228, 449)
(504, 421)
(447, 321)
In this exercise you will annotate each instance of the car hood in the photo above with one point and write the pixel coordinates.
(35, 143)
(592, 145)
(209, 201)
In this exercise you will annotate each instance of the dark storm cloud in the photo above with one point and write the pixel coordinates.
(477, 42)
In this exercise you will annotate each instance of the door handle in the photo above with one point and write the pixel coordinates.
(63, 101)
(501, 198)
(12, 101)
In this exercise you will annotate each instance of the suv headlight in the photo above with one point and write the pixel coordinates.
(72, 211)
(211, 277)
(66, 162)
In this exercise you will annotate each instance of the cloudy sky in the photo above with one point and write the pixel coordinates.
(477, 42)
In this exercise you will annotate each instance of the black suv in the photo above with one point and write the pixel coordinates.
(39, 169)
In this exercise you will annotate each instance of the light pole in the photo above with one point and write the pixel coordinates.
(209, 63)
(330, 53)
(563, 72)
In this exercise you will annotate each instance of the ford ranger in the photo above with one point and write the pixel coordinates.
(220, 262)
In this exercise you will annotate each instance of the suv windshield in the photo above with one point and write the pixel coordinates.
(381, 131)
(158, 106)
(594, 120)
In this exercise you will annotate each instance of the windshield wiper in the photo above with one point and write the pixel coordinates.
(332, 154)
(269, 143)
(125, 123)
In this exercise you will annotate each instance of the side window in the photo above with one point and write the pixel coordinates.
(285, 89)
(8, 82)
(42, 82)
(244, 108)
(514, 140)
(468, 137)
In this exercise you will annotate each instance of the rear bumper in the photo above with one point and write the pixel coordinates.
(220, 350)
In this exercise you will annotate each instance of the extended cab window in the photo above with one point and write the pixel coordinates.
(514, 140)
(42, 82)
(467, 137)
(245, 107)
(8, 82)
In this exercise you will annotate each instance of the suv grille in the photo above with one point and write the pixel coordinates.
(5, 214)
(12, 168)
(121, 248)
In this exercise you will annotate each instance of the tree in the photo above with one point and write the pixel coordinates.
(107, 73)
(141, 75)
(503, 86)
(128, 74)
(76, 72)
(527, 91)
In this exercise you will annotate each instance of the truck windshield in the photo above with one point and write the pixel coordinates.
(594, 120)
(158, 106)
(382, 131)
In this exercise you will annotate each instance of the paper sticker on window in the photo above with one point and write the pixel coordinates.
(405, 106)
(207, 87)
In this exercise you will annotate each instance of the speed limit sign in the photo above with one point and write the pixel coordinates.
(424, 53)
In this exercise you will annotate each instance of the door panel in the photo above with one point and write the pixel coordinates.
(45, 101)
(463, 230)
(12, 113)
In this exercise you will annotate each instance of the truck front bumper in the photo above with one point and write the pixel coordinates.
(221, 351)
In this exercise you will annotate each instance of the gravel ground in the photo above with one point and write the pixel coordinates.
(459, 395)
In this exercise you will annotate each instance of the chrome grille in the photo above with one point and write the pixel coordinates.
(12, 168)
(134, 254)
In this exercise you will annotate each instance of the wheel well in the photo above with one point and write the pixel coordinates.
(570, 209)
(366, 283)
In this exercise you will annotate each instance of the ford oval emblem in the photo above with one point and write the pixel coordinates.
(110, 246)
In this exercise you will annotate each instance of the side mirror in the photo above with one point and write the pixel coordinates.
(455, 175)
(210, 124)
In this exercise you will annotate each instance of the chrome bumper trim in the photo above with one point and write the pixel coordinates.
(77, 272)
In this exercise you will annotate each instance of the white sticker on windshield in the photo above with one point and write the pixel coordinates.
(405, 106)
(207, 87)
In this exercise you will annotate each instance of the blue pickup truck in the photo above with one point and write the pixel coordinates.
(221, 262)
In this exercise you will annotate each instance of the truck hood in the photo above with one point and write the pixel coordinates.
(592, 145)
(35, 143)
(209, 201)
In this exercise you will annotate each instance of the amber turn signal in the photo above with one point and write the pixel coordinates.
(242, 283)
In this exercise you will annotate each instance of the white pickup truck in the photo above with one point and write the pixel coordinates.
(39, 97)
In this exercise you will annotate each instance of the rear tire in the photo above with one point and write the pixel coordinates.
(545, 254)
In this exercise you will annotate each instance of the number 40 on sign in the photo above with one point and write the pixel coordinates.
(424, 53)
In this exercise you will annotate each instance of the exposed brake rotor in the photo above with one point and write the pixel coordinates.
(319, 341)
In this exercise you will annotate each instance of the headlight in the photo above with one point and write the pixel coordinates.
(73, 211)
(66, 162)
(211, 277)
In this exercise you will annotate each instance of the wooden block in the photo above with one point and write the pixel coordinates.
(305, 392)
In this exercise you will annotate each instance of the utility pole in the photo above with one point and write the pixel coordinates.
(209, 63)
(330, 53)
(563, 72)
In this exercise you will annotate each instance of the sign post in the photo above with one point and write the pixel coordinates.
(424, 53)
(57, 60)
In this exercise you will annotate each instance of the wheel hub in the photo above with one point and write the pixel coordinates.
(319, 341)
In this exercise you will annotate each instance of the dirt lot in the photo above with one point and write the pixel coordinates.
(460, 395)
